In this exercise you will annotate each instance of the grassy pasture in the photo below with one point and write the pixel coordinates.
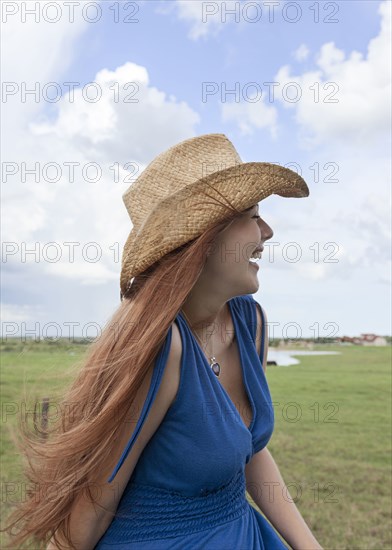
(332, 437)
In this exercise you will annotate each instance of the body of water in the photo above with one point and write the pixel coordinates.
(285, 358)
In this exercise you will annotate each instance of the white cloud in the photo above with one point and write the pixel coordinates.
(35, 53)
(86, 272)
(348, 97)
(81, 132)
(351, 213)
(18, 313)
(301, 53)
(105, 133)
(354, 134)
(205, 18)
(135, 125)
(248, 116)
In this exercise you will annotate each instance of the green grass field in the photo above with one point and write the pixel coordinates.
(332, 437)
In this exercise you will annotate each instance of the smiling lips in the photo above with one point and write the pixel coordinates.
(256, 254)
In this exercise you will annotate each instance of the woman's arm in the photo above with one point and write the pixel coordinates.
(86, 531)
(265, 485)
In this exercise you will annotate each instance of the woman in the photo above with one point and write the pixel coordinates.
(173, 411)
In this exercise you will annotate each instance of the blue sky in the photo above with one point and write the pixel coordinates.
(235, 52)
(170, 53)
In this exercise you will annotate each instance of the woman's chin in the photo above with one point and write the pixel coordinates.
(253, 273)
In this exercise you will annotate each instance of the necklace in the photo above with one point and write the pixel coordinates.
(215, 366)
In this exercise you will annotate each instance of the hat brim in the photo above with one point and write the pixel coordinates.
(186, 214)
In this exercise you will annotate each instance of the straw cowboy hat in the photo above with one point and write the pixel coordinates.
(186, 189)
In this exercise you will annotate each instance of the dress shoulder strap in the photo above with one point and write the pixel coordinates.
(156, 378)
(248, 305)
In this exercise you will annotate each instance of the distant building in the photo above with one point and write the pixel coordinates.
(364, 339)
(373, 340)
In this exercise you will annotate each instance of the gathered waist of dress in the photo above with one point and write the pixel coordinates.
(147, 512)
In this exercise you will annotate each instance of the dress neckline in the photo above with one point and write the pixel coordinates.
(214, 377)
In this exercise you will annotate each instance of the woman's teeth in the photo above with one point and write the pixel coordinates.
(255, 257)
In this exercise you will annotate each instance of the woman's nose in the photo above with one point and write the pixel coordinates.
(266, 230)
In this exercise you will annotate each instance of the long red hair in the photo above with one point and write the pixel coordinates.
(69, 453)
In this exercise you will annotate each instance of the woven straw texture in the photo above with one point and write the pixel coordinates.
(187, 189)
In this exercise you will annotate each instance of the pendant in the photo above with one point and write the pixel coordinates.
(215, 366)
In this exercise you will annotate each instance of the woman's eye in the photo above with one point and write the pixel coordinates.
(256, 216)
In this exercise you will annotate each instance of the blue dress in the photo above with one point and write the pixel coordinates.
(187, 490)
